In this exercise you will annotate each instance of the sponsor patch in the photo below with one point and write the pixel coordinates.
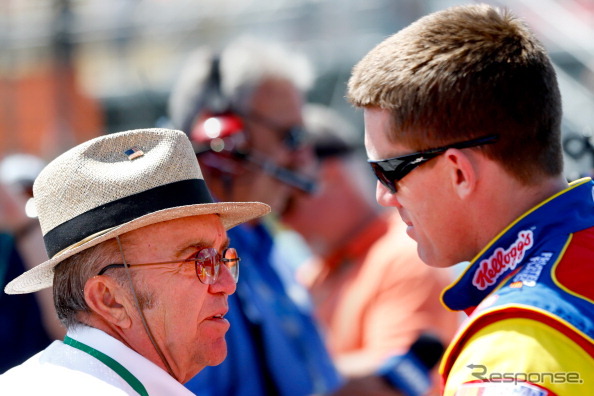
(531, 272)
(490, 269)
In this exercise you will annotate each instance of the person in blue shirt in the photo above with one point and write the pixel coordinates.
(22, 333)
(242, 109)
(28, 322)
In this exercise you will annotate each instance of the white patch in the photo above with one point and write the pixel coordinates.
(531, 272)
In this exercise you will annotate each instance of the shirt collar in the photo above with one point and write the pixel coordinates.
(568, 211)
(156, 380)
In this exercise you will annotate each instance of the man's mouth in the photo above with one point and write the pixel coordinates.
(405, 219)
(218, 315)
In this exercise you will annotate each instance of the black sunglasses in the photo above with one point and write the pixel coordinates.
(389, 171)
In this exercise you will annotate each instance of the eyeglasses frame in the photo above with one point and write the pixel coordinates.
(220, 258)
(293, 137)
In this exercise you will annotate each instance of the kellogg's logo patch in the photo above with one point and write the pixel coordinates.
(491, 268)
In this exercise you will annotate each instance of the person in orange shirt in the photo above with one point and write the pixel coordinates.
(370, 291)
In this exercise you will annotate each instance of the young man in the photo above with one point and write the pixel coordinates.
(140, 267)
(462, 127)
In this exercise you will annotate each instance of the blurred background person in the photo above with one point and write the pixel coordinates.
(19, 172)
(241, 107)
(371, 292)
(28, 323)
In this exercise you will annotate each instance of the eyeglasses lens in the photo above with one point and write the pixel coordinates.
(294, 138)
(383, 177)
(207, 266)
(231, 260)
(208, 263)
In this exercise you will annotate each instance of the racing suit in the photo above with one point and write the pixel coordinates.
(529, 295)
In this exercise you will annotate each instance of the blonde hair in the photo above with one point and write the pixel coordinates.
(467, 72)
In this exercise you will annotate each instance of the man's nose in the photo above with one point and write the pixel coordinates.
(385, 197)
(225, 282)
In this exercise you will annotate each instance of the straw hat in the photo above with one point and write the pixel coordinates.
(115, 184)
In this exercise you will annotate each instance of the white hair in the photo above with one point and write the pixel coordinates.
(244, 64)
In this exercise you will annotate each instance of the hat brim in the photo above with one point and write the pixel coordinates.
(231, 214)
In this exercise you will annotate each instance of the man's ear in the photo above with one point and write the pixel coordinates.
(464, 171)
(108, 300)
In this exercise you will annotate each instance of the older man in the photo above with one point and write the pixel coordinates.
(462, 126)
(140, 265)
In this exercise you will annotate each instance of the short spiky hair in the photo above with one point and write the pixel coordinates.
(466, 72)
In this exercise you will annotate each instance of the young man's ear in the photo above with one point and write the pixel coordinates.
(464, 173)
(107, 299)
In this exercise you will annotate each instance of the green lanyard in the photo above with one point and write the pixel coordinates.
(109, 362)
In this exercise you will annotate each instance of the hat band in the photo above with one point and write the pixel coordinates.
(123, 210)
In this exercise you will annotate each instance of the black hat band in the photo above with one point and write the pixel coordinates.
(123, 210)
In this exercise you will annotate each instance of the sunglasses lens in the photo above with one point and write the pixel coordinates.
(231, 260)
(207, 266)
(384, 176)
(294, 137)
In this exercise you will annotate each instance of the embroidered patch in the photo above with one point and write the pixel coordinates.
(133, 153)
(491, 268)
(531, 272)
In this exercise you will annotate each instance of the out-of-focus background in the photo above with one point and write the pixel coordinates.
(74, 69)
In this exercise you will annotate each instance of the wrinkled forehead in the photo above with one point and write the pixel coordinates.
(204, 230)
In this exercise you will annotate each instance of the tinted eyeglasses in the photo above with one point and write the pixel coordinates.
(391, 170)
(293, 137)
(207, 263)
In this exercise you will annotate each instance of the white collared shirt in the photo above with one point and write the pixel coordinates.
(63, 370)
